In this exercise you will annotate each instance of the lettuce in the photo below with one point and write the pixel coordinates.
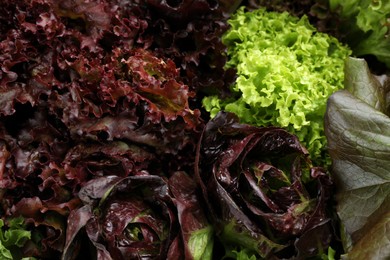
(196, 232)
(140, 217)
(86, 91)
(357, 128)
(12, 235)
(285, 72)
(263, 195)
(364, 26)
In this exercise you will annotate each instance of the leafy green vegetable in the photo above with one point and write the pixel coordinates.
(330, 255)
(364, 85)
(5, 253)
(357, 127)
(374, 244)
(200, 243)
(365, 25)
(243, 255)
(285, 72)
(11, 235)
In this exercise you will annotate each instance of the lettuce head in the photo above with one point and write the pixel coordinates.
(286, 70)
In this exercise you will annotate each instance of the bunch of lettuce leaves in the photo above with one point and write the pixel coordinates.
(286, 70)
(357, 127)
(13, 235)
(364, 26)
(187, 32)
(100, 118)
(140, 217)
(265, 198)
(97, 88)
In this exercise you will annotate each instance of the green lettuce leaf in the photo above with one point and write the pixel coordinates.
(12, 234)
(201, 244)
(357, 127)
(243, 254)
(362, 84)
(365, 25)
(4, 252)
(286, 70)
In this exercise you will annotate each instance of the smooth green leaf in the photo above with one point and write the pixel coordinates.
(201, 243)
(362, 84)
(331, 254)
(359, 144)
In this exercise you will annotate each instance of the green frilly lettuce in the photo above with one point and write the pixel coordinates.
(365, 25)
(286, 70)
(12, 235)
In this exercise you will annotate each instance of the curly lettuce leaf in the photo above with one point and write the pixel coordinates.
(285, 72)
(242, 255)
(358, 133)
(365, 25)
(13, 234)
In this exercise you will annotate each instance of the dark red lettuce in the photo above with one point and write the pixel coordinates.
(138, 217)
(189, 33)
(196, 234)
(83, 95)
(264, 194)
(133, 218)
(42, 175)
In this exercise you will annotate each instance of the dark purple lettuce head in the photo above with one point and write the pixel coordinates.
(123, 218)
(139, 217)
(265, 196)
